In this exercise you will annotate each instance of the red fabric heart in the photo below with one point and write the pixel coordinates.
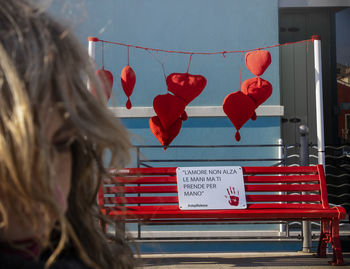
(106, 79)
(258, 89)
(128, 79)
(258, 61)
(165, 137)
(239, 108)
(186, 86)
(168, 108)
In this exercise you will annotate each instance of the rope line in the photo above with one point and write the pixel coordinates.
(128, 55)
(189, 63)
(240, 72)
(162, 63)
(103, 55)
(201, 53)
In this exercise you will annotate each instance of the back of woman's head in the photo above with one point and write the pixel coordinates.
(43, 68)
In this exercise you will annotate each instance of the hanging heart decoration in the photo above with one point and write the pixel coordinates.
(258, 61)
(164, 136)
(239, 108)
(186, 86)
(168, 108)
(106, 79)
(128, 80)
(258, 89)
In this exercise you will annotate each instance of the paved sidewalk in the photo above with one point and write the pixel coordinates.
(238, 260)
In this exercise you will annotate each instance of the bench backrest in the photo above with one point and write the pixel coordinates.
(266, 187)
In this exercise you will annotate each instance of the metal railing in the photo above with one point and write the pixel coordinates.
(142, 161)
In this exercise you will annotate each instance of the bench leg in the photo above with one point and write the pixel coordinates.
(119, 229)
(337, 252)
(101, 221)
(324, 239)
(103, 225)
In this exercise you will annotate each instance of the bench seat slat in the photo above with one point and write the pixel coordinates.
(145, 180)
(239, 214)
(247, 179)
(249, 198)
(200, 221)
(280, 170)
(248, 188)
(143, 189)
(144, 200)
(281, 179)
(249, 206)
(246, 170)
(283, 198)
(147, 171)
(284, 205)
(278, 188)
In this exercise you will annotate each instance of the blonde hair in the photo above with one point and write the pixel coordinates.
(41, 60)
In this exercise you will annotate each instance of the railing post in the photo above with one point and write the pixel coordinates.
(138, 166)
(282, 226)
(138, 157)
(319, 98)
(92, 53)
(304, 161)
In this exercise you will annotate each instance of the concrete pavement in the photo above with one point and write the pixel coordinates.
(285, 260)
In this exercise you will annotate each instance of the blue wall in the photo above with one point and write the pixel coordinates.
(196, 25)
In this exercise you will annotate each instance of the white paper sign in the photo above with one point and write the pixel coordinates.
(216, 187)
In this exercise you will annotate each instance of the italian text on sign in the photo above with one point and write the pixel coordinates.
(213, 187)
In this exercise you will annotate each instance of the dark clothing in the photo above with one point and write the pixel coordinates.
(10, 261)
(16, 259)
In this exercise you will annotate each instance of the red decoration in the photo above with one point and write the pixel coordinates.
(254, 116)
(168, 108)
(239, 108)
(184, 116)
(258, 89)
(128, 79)
(164, 136)
(106, 79)
(258, 61)
(186, 86)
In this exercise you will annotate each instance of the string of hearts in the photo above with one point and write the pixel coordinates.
(183, 88)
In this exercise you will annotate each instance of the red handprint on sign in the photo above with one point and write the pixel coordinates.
(233, 196)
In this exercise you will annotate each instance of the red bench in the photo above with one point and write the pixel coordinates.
(272, 193)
